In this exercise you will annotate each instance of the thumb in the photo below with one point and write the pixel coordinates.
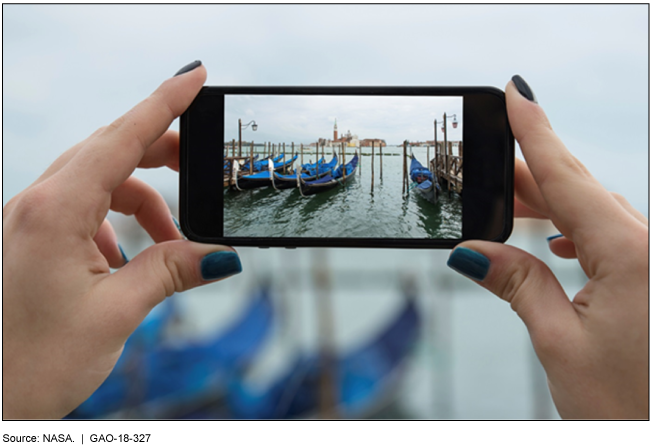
(158, 272)
(523, 281)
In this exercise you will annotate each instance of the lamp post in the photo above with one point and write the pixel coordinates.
(454, 124)
(245, 126)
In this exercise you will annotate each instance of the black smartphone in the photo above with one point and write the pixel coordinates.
(402, 167)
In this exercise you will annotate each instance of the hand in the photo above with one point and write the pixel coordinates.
(595, 348)
(65, 316)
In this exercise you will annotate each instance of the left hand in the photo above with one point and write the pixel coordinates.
(65, 316)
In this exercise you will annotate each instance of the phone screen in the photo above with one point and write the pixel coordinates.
(342, 166)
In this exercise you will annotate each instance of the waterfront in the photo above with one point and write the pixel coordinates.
(347, 211)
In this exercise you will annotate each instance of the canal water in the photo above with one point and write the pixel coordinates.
(346, 211)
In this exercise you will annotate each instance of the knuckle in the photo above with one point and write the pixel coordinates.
(33, 208)
(520, 283)
(116, 125)
(6, 210)
(173, 271)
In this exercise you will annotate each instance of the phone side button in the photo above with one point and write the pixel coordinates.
(262, 247)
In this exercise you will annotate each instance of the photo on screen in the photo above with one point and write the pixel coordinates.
(343, 166)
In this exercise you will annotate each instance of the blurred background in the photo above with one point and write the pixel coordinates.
(331, 332)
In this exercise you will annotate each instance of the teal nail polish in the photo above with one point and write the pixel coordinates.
(126, 260)
(178, 226)
(550, 238)
(220, 265)
(469, 263)
(189, 67)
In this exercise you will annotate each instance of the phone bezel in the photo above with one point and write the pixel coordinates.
(488, 167)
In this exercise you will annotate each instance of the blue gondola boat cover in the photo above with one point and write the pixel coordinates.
(362, 376)
(150, 370)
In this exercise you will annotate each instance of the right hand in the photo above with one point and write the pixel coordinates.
(595, 348)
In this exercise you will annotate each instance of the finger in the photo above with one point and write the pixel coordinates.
(164, 152)
(135, 198)
(526, 283)
(579, 206)
(527, 192)
(106, 241)
(103, 165)
(64, 158)
(562, 247)
(522, 210)
(156, 273)
(630, 209)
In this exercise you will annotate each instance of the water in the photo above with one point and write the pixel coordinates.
(346, 211)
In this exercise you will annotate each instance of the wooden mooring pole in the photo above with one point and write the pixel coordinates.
(301, 161)
(344, 169)
(404, 168)
(284, 158)
(250, 169)
(372, 169)
(360, 154)
(381, 163)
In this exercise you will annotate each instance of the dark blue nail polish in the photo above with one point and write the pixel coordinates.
(469, 263)
(550, 238)
(126, 260)
(524, 88)
(188, 67)
(220, 265)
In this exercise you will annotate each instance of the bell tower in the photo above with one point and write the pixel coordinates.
(336, 131)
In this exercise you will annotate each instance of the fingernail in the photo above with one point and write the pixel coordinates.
(469, 263)
(524, 88)
(220, 265)
(126, 260)
(178, 226)
(188, 67)
(550, 238)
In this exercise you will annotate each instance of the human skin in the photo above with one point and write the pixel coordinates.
(65, 316)
(594, 348)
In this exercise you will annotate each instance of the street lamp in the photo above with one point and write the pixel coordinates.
(443, 123)
(445, 153)
(245, 126)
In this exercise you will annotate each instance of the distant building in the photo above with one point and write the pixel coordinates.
(348, 138)
(367, 142)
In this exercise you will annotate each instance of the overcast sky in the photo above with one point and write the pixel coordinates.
(304, 119)
(70, 69)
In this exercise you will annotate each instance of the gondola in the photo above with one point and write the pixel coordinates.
(328, 182)
(155, 376)
(307, 173)
(258, 166)
(364, 379)
(260, 179)
(262, 165)
(247, 165)
(424, 181)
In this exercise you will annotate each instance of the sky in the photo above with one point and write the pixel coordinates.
(69, 69)
(304, 119)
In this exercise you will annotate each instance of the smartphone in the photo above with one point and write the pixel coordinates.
(401, 167)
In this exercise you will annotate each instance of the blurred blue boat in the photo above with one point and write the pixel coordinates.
(364, 379)
(155, 378)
